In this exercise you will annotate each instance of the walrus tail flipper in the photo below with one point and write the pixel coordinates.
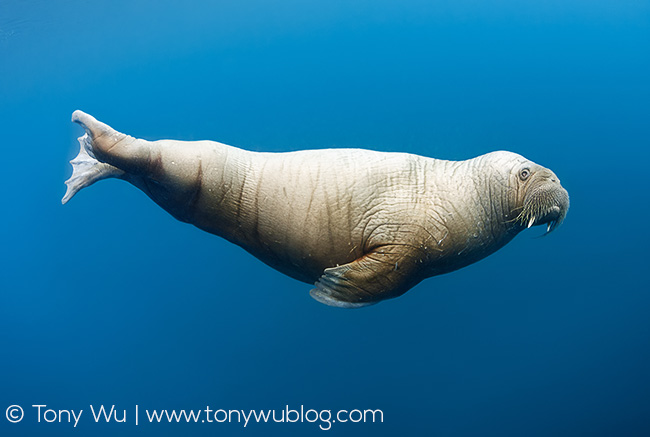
(366, 281)
(86, 167)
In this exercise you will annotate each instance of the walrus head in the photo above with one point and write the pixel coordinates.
(540, 197)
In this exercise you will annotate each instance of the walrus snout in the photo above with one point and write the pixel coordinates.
(546, 202)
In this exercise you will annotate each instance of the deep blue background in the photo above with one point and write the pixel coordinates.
(110, 300)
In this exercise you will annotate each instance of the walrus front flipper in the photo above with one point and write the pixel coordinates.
(335, 290)
(365, 281)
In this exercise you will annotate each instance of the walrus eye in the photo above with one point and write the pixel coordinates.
(524, 173)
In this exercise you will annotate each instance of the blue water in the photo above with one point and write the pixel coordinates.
(109, 300)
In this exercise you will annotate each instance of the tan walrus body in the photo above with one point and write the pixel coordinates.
(362, 225)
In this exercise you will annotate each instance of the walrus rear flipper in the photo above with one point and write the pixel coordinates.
(86, 168)
(365, 281)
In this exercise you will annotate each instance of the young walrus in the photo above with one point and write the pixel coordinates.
(363, 226)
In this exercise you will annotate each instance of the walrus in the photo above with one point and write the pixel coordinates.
(362, 226)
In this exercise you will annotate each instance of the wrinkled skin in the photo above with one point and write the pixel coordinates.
(363, 226)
